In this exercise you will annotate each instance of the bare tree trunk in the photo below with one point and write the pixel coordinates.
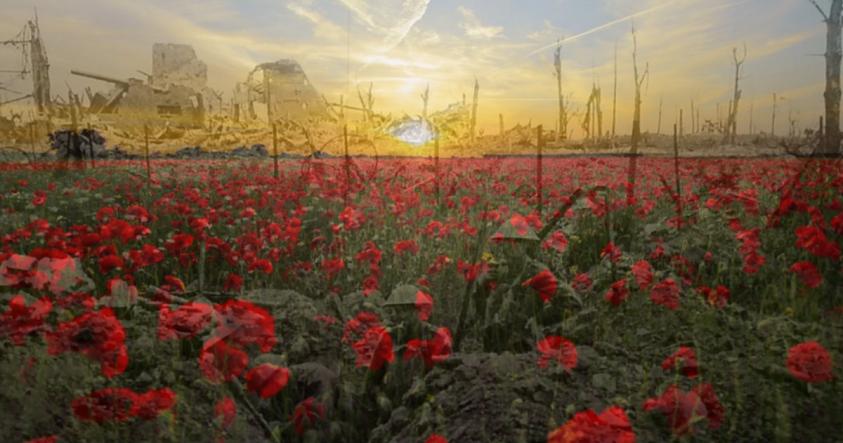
(557, 64)
(599, 113)
(833, 55)
(773, 127)
(425, 97)
(474, 109)
(659, 127)
(615, 93)
(751, 117)
(40, 70)
(719, 120)
(693, 126)
(732, 123)
(699, 127)
(636, 119)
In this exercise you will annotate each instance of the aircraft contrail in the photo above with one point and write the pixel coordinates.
(605, 25)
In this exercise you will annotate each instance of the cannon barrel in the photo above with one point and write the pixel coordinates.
(115, 81)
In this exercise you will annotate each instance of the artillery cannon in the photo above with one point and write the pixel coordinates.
(139, 103)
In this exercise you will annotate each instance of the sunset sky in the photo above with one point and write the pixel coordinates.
(401, 45)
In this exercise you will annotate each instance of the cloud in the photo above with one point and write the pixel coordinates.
(392, 20)
(548, 32)
(474, 28)
(322, 27)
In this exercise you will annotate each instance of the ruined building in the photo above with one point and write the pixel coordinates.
(177, 65)
(278, 90)
(175, 94)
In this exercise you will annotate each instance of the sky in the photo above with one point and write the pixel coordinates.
(400, 46)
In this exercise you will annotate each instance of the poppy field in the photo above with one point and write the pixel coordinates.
(407, 300)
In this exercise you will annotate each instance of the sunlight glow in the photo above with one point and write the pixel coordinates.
(414, 131)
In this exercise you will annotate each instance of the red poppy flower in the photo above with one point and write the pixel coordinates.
(233, 283)
(556, 241)
(682, 409)
(810, 362)
(351, 218)
(714, 409)
(109, 263)
(559, 349)
(22, 320)
(611, 426)
(358, 325)
(370, 254)
(185, 322)
(435, 350)
(643, 273)
(750, 243)
(39, 198)
(612, 251)
(406, 247)
(436, 438)
(814, 240)
(438, 264)
(98, 335)
(173, 284)
(145, 256)
(582, 282)
(306, 414)
(544, 283)
(150, 404)
(199, 225)
(266, 380)
(120, 229)
(179, 243)
(657, 253)
(617, 293)
(752, 262)
(105, 405)
(263, 265)
(424, 305)
(243, 323)
(370, 284)
(226, 411)
(685, 360)
(221, 362)
(332, 267)
(837, 223)
(716, 297)
(374, 349)
(471, 272)
(49, 439)
(666, 293)
(808, 274)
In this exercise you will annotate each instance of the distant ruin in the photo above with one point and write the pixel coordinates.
(278, 90)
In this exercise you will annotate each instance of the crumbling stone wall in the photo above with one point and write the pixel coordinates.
(175, 64)
(285, 86)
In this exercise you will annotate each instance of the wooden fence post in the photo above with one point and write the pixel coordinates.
(91, 146)
(436, 168)
(676, 174)
(275, 149)
(347, 165)
(539, 169)
(146, 154)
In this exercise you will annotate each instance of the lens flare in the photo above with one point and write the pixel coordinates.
(416, 132)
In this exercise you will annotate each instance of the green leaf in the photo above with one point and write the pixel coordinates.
(604, 381)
